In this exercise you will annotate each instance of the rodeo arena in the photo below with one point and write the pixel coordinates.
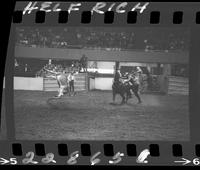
(101, 83)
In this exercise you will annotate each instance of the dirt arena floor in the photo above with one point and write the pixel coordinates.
(92, 116)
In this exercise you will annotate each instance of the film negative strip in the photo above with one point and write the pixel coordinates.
(102, 83)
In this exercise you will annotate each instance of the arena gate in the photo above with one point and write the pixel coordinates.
(178, 85)
(80, 83)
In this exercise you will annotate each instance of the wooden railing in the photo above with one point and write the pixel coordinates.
(178, 85)
(80, 83)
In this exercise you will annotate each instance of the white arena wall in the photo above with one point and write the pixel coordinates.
(174, 85)
(91, 83)
(28, 83)
(103, 83)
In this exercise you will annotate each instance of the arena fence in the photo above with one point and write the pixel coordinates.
(28, 83)
(80, 83)
(178, 85)
(171, 85)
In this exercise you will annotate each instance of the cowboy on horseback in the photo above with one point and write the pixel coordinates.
(121, 87)
(117, 86)
(117, 77)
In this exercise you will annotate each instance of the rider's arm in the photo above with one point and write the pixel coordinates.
(54, 72)
(51, 76)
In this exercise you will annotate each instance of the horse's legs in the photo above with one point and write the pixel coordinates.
(129, 95)
(61, 91)
(114, 94)
(58, 83)
(123, 98)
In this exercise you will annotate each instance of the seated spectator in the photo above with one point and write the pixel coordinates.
(96, 38)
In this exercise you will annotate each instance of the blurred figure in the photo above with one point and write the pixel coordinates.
(17, 68)
(77, 66)
(149, 81)
(71, 82)
(50, 62)
(83, 63)
(27, 69)
(140, 78)
(134, 80)
(138, 70)
(16, 63)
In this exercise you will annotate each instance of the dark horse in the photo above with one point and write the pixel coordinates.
(124, 88)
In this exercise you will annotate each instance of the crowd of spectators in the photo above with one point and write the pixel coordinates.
(25, 68)
(38, 68)
(104, 37)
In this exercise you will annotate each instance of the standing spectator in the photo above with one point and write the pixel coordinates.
(139, 73)
(50, 62)
(85, 60)
(83, 63)
(27, 69)
(71, 82)
(17, 68)
(16, 63)
(149, 81)
(139, 76)
(77, 66)
(72, 67)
